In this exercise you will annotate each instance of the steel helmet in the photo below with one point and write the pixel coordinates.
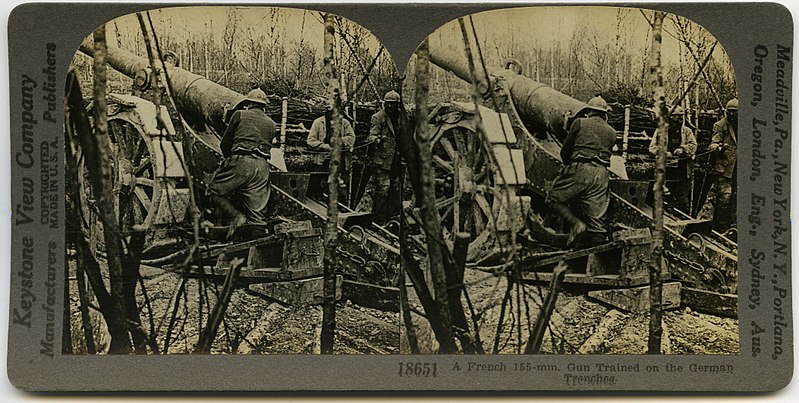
(257, 96)
(391, 96)
(511, 62)
(598, 104)
(733, 104)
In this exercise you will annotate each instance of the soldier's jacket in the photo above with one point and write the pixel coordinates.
(385, 150)
(589, 139)
(249, 130)
(724, 133)
(318, 134)
(686, 140)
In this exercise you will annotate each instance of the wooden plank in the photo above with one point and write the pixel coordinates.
(612, 280)
(578, 253)
(296, 292)
(372, 296)
(273, 239)
(636, 299)
(634, 236)
(713, 303)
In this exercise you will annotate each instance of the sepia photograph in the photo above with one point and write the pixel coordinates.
(412, 198)
(573, 186)
(232, 186)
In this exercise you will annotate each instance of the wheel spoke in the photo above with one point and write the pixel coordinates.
(143, 198)
(145, 164)
(447, 145)
(444, 164)
(446, 202)
(477, 217)
(145, 182)
(481, 201)
(140, 151)
(446, 212)
(437, 135)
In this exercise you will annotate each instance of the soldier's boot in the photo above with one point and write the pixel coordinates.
(576, 226)
(590, 239)
(544, 234)
(229, 211)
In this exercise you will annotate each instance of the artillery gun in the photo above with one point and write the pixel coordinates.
(156, 153)
(494, 189)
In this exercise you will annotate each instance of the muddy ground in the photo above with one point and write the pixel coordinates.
(580, 325)
(252, 325)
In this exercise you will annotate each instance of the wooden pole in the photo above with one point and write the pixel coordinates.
(661, 110)
(626, 131)
(455, 273)
(430, 216)
(331, 232)
(405, 308)
(218, 313)
(284, 113)
(545, 314)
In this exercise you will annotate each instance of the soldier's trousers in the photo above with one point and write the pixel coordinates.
(717, 204)
(584, 187)
(244, 180)
(375, 199)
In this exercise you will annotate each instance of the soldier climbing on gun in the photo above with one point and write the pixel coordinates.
(240, 188)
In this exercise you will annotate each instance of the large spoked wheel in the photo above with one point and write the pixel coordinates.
(464, 182)
(136, 192)
(139, 191)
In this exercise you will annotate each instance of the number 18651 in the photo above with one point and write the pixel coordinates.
(418, 369)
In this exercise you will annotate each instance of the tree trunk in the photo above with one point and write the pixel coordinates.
(430, 217)
(655, 278)
(331, 232)
(99, 166)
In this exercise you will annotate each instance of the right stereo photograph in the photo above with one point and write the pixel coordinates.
(571, 187)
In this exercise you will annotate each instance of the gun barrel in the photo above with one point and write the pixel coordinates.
(200, 100)
(539, 105)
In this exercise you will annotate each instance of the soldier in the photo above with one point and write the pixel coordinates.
(385, 163)
(725, 147)
(680, 151)
(513, 65)
(318, 138)
(580, 193)
(241, 186)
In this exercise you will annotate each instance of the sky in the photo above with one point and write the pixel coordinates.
(553, 25)
(290, 23)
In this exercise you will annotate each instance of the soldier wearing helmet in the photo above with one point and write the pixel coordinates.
(513, 65)
(385, 162)
(241, 186)
(318, 138)
(724, 146)
(681, 142)
(680, 152)
(580, 193)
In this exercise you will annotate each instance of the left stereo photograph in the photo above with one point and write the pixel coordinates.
(221, 192)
